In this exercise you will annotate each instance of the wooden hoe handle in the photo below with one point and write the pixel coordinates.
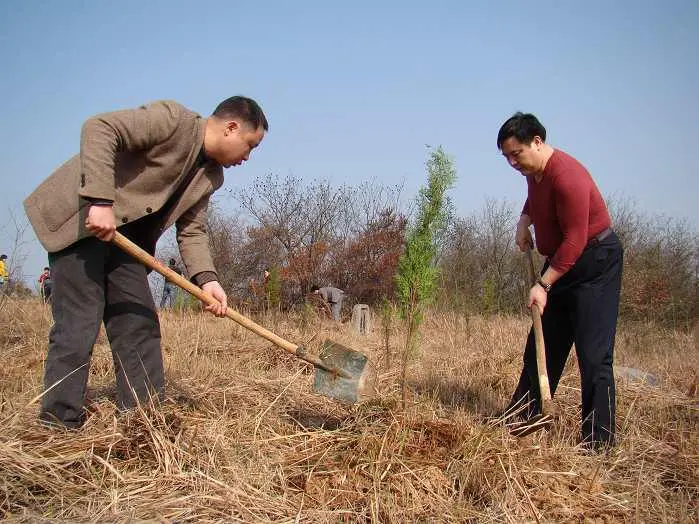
(544, 387)
(147, 260)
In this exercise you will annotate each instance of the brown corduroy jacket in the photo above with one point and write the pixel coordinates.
(135, 158)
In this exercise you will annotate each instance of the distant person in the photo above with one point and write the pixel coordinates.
(143, 170)
(169, 289)
(333, 296)
(266, 275)
(45, 285)
(4, 276)
(578, 290)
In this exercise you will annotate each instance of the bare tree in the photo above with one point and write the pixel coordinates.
(500, 266)
(368, 204)
(482, 271)
(16, 229)
(296, 214)
(461, 275)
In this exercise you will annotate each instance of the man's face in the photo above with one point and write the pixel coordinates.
(525, 158)
(238, 140)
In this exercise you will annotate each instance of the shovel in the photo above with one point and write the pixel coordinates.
(544, 419)
(338, 369)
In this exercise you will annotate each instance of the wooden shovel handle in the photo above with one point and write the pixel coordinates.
(147, 260)
(544, 387)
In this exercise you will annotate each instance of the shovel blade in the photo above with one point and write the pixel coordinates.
(349, 361)
(536, 423)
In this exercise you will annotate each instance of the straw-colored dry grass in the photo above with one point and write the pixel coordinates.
(241, 436)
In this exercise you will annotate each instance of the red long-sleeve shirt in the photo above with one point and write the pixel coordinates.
(567, 210)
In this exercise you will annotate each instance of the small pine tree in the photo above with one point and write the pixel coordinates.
(387, 312)
(416, 279)
(273, 289)
(489, 302)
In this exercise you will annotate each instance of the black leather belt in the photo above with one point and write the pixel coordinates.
(599, 237)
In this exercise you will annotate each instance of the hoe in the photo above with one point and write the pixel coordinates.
(338, 369)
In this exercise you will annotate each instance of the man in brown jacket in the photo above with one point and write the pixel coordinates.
(142, 170)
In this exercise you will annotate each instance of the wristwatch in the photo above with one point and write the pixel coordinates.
(547, 287)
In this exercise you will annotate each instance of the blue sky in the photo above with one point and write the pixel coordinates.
(353, 91)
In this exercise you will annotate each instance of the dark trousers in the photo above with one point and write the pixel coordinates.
(94, 281)
(46, 292)
(582, 308)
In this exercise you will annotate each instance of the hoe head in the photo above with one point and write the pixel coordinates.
(527, 427)
(341, 374)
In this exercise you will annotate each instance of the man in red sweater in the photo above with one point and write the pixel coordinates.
(578, 290)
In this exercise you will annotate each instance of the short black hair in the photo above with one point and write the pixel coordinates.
(46, 269)
(523, 126)
(314, 288)
(3, 256)
(244, 108)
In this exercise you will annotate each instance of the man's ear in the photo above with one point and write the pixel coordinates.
(231, 126)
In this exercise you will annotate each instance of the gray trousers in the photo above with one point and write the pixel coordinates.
(94, 281)
(336, 307)
(168, 298)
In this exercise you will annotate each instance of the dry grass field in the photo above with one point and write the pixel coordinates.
(242, 437)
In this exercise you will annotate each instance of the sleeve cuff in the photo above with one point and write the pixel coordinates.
(99, 201)
(205, 276)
